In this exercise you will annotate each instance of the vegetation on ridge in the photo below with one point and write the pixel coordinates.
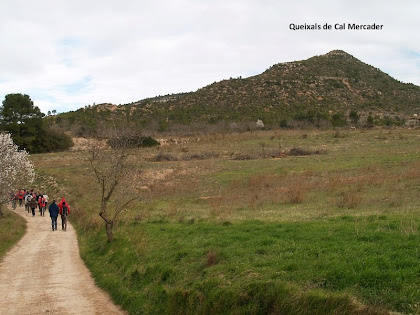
(319, 91)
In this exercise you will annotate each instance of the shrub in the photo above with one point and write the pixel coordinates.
(338, 120)
(243, 157)
(296, 151)
(132, 141)
(211, 258)
(201, 156)
(349, 200)
(354, 117)
(296, 194)
(52, 141)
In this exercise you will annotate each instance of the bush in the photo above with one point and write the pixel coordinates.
(243, 157)
(49, 140)
(338, 120)
(132, 141)
(56, 141)
(370, 122)
(296, 151)
(201, 156)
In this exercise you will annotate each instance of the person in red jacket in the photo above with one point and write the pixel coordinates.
(20, 196)
(42, 204)
(64, 212)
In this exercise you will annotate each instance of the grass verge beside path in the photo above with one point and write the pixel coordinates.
(12, 228)
(254, 267)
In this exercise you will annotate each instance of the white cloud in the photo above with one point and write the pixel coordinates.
(67, 54)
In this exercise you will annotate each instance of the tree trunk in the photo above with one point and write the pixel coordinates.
(109, 233)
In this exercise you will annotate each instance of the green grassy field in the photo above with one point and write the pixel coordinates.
(12, 228)
(270, 222)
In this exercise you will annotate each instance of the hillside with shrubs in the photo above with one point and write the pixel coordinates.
(334, 89)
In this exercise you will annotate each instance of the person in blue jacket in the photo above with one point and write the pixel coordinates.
(53, 210)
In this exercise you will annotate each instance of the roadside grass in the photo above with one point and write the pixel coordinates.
(204, 266)
(12, 228)
(314, 234)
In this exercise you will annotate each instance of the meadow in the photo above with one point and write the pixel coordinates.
(267, 222)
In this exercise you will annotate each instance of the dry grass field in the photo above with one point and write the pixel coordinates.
(282, 222)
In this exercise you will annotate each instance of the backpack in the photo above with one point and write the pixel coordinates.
(33, 203)
(64, 209)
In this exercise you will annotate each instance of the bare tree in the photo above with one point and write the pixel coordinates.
(114, 176)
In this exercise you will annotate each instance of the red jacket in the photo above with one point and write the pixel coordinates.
(41, 202)
(60, 206)
(20, 194)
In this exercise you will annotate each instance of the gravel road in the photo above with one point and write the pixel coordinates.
(44, 274)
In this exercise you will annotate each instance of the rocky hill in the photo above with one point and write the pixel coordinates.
(311, 90)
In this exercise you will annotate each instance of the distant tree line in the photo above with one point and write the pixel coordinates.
(85, 121)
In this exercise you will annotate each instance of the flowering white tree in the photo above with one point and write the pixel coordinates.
(16, 170)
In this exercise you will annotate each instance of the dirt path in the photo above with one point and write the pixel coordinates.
(44, 274)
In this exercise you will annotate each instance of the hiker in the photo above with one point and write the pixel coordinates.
(53, 210)
(42, 205)
(25, 194)
(28, 199)
(64, 212)
(46, 200)
(12, 199)
(32, 205)
(15, 200)
(20, 196)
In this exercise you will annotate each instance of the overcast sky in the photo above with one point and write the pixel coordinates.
(66, 54)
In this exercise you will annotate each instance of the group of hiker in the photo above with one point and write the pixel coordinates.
(31, 200)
